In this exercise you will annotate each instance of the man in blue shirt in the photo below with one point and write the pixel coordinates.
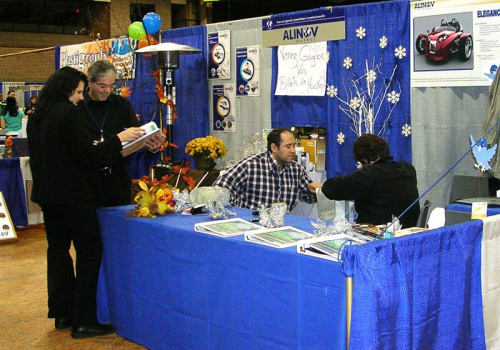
(269, 177)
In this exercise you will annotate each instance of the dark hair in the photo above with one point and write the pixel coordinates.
(369, 148)
(11, 106)
(100, 69)
(59, 87)
(275, 137)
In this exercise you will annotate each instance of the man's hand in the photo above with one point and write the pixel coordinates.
(313, 186)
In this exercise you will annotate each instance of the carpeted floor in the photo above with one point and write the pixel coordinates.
(23, 301)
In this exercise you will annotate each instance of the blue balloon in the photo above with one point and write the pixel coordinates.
(152, 22)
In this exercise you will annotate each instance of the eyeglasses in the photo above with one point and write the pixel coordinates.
(104, 86)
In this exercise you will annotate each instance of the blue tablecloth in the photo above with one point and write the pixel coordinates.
(11, 185)
(165, 286)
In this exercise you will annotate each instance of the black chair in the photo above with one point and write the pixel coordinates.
(424, 213)
(463, 186)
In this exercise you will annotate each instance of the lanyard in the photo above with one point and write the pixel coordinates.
(101, 125)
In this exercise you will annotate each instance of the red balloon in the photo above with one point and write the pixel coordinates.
(144, 42)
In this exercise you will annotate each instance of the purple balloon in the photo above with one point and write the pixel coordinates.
(152, 22)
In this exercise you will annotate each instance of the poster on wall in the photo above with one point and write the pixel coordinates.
(118, 51)
(219, 48)
(248, 71)
(224, 108)
(454, 43)
(302, 69)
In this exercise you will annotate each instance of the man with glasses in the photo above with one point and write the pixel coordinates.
(108, 114)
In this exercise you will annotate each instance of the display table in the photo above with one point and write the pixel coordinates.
(460, 212)
(165, 286)
(12, 187)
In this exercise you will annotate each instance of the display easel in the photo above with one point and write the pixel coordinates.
(7, 229)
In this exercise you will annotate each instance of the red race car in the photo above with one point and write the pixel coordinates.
(444, 41)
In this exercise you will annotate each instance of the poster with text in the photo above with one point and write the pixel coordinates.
(219, 48)
(224, 108)
(248, 71)
(118, 51)
(454, 43)
(302, 69)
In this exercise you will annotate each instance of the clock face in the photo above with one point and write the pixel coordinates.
(247, 69)
(223, 106)
(218, 53)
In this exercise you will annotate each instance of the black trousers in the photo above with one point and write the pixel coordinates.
(73, 295)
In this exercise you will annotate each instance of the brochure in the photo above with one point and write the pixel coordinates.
(280, 237)
(226, 228)
(150, 130)
(327, 247)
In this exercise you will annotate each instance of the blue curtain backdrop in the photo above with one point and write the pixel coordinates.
(418, 292)
(191, 87)
(389, 19)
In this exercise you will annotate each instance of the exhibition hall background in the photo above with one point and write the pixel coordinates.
(441, 119)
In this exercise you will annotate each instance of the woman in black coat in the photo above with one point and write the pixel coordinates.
(64, 161)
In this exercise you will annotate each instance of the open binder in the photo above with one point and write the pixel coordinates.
(150, 130)
(280, 237)
(226, 228)
(327, 247)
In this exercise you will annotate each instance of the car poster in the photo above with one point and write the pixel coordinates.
(224, 108)
(454, 43)
(248, 71)
(219, 48)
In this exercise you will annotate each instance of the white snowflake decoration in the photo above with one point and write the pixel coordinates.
(393, 97)
(383, 42)
(340, 138)
(406, 130)
(361, 33)
(347, 62)
(400, 52)
(355, 103)
(331, 91)
(371, 76)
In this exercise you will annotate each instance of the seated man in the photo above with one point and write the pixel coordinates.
(269, 177)
(381, 189)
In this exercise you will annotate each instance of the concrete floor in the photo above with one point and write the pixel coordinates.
(23, 301)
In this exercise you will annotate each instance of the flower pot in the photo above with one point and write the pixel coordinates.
(203, 163)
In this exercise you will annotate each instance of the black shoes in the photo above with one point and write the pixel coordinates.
(91, 331)
(63, 322)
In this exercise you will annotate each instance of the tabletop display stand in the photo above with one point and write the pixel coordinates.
(7, 230)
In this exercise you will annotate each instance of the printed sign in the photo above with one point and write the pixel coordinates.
(455, 43)
(7, 229)
(118, 51)
(323, 24)
(219, 48)
(248, 71)
(224, 108)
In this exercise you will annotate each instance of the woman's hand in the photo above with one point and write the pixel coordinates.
(131, 134)
(154, 143)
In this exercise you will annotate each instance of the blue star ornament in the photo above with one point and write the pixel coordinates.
(482, 154)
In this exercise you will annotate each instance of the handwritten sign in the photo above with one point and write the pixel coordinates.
(302, 70)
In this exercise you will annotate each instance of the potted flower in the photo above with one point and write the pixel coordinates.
(205, 150)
